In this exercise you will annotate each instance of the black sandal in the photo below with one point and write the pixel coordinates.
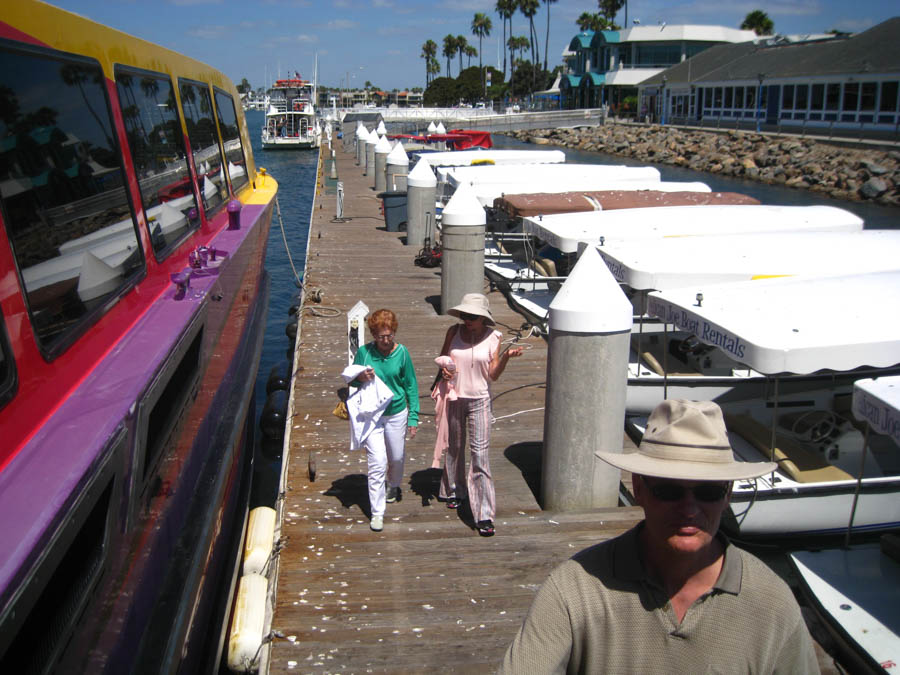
(485, 528)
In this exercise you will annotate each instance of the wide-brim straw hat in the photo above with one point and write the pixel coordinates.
(686, 440)
(473, 303)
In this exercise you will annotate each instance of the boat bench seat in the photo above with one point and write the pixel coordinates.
(652, 357)
(796, 461)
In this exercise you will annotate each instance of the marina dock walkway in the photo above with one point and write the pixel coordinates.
(427, 594)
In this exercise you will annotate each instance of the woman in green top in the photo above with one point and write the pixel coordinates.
(391, 362)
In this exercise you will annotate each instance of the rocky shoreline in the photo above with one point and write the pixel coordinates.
(802, 163)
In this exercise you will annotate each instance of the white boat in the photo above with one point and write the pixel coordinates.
(855, 589)
(492, 156)
(488, 193)
(811, 338)
(569, 231)
(291, 120)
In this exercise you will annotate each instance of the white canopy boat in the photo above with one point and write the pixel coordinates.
(811, 337)
(567, 232)
(856, 589)
(496, 157)
(488, 193)
(485, 175)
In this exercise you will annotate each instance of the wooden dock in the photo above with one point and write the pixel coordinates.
(427, 593)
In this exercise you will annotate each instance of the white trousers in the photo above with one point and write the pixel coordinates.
(384, 452)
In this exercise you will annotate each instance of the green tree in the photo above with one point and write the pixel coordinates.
(516, 44)
(547, 38)
(529, 8)
(449, 49)
(434, 67)
(443, 91)
(471, 53)
(461, 44)
(505, 9)
(481, 28)
(609, 9)
(759, 22)
(429, 50)
(244, 86)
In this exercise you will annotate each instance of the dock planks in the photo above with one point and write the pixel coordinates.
(427, 593)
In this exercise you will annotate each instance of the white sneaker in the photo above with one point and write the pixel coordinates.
(377, 523)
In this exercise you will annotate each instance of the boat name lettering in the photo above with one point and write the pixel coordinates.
(618, 271)
(682, 319)
(882, 418)
(719, 338)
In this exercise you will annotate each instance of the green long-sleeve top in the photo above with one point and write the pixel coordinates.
(397, 372)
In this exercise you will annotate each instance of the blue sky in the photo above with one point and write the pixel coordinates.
(380, 40)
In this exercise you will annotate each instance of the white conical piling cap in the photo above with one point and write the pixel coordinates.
(96, 278)
(373, 138)
(383, 146)
(440, 128)
(421, 176)
(591, 300)
(465, 209)
(381, 128)
(398, 156)
(431, 127)
(361, 133)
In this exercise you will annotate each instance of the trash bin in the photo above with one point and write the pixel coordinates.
(393, 204)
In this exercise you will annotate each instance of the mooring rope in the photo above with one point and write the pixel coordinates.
(297, 280)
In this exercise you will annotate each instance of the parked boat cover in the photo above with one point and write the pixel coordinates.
(544, 203)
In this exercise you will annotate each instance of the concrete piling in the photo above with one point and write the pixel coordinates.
(396, 168)
(381, 151)
(462, 245)
(587, 367)
(361, 137)
(421, 194)
(371, 142)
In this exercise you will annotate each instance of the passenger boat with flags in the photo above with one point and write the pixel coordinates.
(291, 120)
(133, 229)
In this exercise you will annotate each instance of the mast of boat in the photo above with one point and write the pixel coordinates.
(315, 96)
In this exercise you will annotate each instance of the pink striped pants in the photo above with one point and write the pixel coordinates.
(472, 415)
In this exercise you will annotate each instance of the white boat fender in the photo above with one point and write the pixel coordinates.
(247, 624)
(260, 540)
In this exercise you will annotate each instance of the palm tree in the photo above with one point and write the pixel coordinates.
(449, 50)
(516, 44)
(588, 21)
(759, 22)
(529, 8)
(429, 49)
(547, 40)
(506, 9)
(481, 27)
(433, 67)
(461, 44)
(608, 11)
(471, 53)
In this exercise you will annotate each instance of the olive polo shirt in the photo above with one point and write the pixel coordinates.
(600, 613)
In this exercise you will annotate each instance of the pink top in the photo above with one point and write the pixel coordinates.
(473, 364)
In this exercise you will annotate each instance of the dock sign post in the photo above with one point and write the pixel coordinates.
(355, 331)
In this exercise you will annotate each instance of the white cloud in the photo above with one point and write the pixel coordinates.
(341, 24)
(210, 32)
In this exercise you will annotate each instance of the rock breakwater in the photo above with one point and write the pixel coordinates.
(802, 163)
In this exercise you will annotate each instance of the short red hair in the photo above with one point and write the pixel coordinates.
(382, 318)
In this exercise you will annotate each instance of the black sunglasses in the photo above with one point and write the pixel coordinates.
(673, 492)
(468, 317)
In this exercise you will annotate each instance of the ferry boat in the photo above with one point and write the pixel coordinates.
(133, 229)
(291, 118)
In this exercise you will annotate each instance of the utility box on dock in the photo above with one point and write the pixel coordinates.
(393, 203)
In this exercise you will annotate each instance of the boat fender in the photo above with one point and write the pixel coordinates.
(290, 329)
(247, 624)
(272, 420)
(260, 540)
(279, 377)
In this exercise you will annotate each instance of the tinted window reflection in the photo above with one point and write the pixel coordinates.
(157, 148)
(63, 194)
(7, 368)
(231, 138)
(201, 128)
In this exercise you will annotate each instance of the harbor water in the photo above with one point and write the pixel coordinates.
(296, 175)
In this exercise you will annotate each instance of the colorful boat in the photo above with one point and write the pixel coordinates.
(291, 118)
(133, 292)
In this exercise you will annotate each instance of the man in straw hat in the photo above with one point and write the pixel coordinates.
(671, 595)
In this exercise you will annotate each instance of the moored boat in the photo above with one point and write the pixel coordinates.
(291, 120)
(133, 301)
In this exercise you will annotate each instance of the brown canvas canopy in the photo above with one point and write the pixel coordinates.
(532, 204)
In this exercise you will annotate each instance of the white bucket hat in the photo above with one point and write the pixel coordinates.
(686, 440)
(473, 303)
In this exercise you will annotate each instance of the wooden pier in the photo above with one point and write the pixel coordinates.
(427, 594)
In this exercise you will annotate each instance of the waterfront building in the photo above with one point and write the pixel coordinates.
(349, 98)
(835, 82)
(605, 67)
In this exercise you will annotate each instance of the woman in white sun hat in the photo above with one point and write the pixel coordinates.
(475, 349)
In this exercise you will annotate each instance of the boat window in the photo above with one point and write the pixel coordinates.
(231, 139)
(7, 368)
(64, 199)
(201, 127)
(156, 141)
